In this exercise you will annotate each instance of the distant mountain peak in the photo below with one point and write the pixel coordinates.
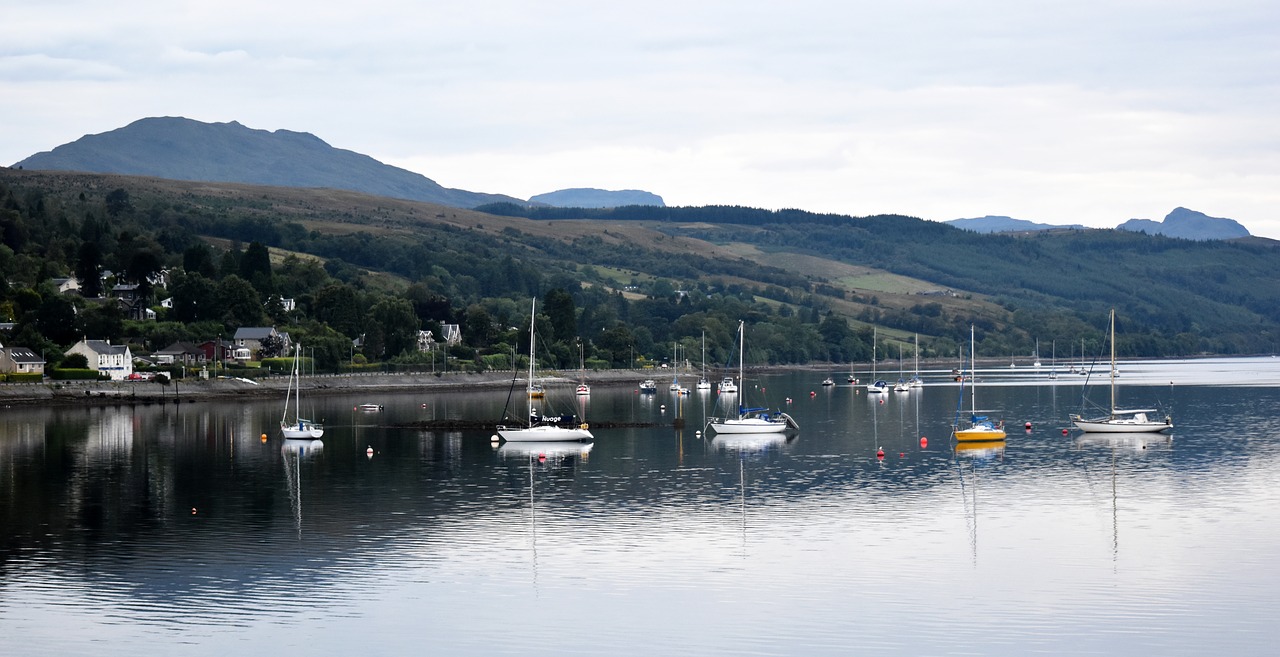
(1188, 224)
(1001, 224)
(179, 148)
(586, 197)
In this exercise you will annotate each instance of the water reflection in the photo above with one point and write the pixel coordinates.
(1104, 544)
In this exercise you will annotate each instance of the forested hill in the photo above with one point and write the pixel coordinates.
(627, 283)
(1165, 285)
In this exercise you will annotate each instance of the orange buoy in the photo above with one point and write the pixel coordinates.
(264, 437)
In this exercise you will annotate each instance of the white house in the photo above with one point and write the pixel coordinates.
(114, 360)
(20, 360)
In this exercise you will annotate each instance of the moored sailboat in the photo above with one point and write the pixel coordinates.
(298, 427)
(750, 420)
(1133, 420)
(980, 428)
(541, 428)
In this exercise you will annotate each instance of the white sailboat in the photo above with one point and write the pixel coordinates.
(901, 385)
(583, 388)
(876, 385)
(751, 420)
(980, 428)
(1133, 420)
(538, 429)
(916, 381)
(703, 383)
(298, 427)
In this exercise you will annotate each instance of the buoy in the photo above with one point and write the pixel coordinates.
(881, 401)
(788, 400)
(1064, 431)
(902, 455)
(264, 437)
(494, 438)
(542, 458)
(698, 434)
(924, 442)
(369, 451)
(662, 407)
(193, 510)
(813, 394)
(1027, 426)
(880, 453)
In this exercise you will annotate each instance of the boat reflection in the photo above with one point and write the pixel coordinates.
(544, 449)
(1132, 441)
(980, 448)
(293, 451)
(751, 442)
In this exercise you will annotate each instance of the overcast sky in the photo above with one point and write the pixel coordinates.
(1057, 112)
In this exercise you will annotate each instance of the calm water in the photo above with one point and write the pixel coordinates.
(178, 531)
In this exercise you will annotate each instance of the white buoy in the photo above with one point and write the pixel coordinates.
(494, 438)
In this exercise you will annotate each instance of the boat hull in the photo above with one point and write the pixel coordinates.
(301, 431)
(749, 425)
(979, 434)
(544, 433)
(1121, 425)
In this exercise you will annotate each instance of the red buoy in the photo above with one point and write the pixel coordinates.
(813, 394)
(924, 442)
(902, 455)
(542, 458)
(880, 453)
(1027, 426)
(1064, 432)
(881, 401)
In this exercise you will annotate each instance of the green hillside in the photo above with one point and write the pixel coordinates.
(628, 282)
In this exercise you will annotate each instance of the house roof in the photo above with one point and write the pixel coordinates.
(180, 348)
(253, 332)
(103, 347)
(24, 355)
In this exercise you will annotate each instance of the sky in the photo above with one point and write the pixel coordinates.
(1052, 111)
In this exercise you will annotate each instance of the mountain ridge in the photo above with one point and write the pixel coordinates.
(178, 148)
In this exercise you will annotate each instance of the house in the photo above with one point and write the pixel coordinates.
(65, 285)
(249, 339)
(216, 350)
(20, 360)
(114, 360)
(452, 334)
(132, 302)
(182, 353)
(426, 342)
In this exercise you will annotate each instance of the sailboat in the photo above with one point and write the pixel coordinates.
(703, 383)
(583, 388)
(1053, 360)
(901, 385)
(876, 385)
(1133, 420)
(298, 427)
(544, 428)
(916, 381)
(751, 420)
(980, 428)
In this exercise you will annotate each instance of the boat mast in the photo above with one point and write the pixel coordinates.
(973, 389)
(1113, 363)
(528, 386)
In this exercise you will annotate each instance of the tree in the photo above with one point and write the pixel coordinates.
(397, 323)
(193, 298)
(270, 346)
(104, 321)
(88, 266)
(236, 302)
(255, 267)
(56, 319)
(560, 310)
(198, 259)
(337, 305)
(118, 203)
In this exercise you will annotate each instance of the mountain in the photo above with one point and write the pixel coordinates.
(998, 224)
(597, 198)
(183, 149)
(1188, 224)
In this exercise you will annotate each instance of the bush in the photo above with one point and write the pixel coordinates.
(77, 374)
(24, 377)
